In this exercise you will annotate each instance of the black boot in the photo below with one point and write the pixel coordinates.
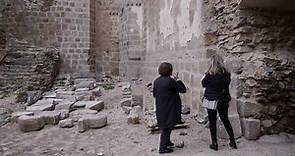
(214, 146)
(165, 150)
(233, 144)
(170, 144)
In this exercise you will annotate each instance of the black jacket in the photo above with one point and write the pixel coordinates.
(217, 87)
(168, 103)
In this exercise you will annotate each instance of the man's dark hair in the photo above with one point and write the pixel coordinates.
(165, 69)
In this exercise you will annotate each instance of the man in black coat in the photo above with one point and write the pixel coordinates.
(168, 104)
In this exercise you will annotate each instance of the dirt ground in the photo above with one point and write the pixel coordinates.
(120, 139)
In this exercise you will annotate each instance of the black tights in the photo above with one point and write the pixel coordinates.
(165, 138)
(222, 109)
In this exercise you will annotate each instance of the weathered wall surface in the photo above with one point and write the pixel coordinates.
(174, 34)
(63, 24)
(132, 39)
(107, 37)
(259, 49)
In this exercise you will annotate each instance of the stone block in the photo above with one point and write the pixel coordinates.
(248, 109)
(50, 117)
(57, 101)
(126, 102)
(85, 84)
(41, 106)
(69, 95)
(91, 122)
(79, 105)
(30, 123)
(50, 96)
(67, 123)
(250, 128)
(81, 89)
(83, 95)
(64, 105)
(64, 113)
(96, 92)
(77, 114)
(94, 105)
(134, 115)
(236, 125)
(16, 115)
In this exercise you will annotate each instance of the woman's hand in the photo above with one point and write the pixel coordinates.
(175, 76)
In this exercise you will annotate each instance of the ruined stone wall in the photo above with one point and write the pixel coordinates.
(63, 24)
(259, 49)
(174, 34)
(107, 36)
(132, 39)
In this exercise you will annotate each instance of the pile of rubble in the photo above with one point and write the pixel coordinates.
(79, 105)
(130, 105)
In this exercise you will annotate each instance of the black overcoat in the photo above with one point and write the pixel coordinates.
(168, 103)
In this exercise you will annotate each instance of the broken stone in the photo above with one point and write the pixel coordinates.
(42, 105)
(134, 116)
(236, 125)
(30, 123)
(64, 105)
(67, 123)
(83, 95)
(185, 110)
(77, 114)
(126, 88)
(126, 102)
(94, 105)
(64, 113)
(82, 89)
(50, 117)
(85, 84)
(79, 105)
(50, 95)
(33, 97)
(250, 128)
(16, 115)
(96, 92)
(69, 95)
(57, 101)
(126, 109)
(91, 122)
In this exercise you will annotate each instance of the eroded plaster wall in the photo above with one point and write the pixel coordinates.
(174, 34)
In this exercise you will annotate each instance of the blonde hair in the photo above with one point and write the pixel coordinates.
(216, 65)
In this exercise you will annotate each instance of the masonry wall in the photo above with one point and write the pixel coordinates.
(132, 39)
(64, 24)
(107, 36)
(174, 34)
(258, 45)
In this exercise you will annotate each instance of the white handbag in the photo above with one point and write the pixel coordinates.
(210, 104)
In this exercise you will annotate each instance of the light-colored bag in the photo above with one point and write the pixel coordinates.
(210, 104)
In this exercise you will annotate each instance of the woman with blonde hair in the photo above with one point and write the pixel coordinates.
(216, 83)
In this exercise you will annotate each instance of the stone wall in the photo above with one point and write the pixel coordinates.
(259, 49)
(132, 39)
(63, 24)
(107, 36)
(174, 34)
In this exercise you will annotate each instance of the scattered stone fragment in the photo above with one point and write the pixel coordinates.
(64, 105)
(16, 115)
(134, 116)
(64, 113)
(30, 123)
(57, 101)
(50, 95)
(94, 105)
(85, 84)
(84, 95)
(126, 109)
(67, 123)
(69, 95)
(41, 105)
(50, 117)
(185, 110)
(79, 105)
(77, 114)
(126, 102)
(96, 92)
(91, 122)
(82, 89)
